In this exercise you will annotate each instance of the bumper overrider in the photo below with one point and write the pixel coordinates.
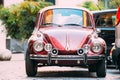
(83, 58)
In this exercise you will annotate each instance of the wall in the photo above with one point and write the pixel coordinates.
(11, 2)
(72, 2)
(2, 36)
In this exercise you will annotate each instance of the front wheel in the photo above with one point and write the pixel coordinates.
(101, 68)
(30, 65)
(118, 62)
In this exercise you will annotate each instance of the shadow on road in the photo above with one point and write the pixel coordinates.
(73, 73)
(66, 74)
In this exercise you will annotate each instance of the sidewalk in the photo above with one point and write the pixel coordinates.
(16, 57)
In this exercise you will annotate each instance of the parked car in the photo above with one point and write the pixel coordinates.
(105, 21)
(115, 51)
(65, 36)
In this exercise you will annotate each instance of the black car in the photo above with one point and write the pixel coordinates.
(105, 21)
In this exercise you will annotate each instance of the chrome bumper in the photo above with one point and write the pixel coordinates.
(49, 58)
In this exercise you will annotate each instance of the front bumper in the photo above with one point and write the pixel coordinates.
(83, 58)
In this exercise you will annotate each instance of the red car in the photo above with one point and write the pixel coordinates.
(65, 36)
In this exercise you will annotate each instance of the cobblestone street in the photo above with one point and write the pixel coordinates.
(15, 70)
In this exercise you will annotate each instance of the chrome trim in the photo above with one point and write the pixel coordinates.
(49, 58)
(48, 47)
(66, 57)
(36, 44)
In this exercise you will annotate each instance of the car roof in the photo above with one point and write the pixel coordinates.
(104, 11)
(72, 7)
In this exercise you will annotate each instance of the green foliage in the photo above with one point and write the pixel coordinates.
(1, 6)
(114, 4)
(90, 5)
(19, 19)
(101, 5)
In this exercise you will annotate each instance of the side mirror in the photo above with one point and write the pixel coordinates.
(98, 30)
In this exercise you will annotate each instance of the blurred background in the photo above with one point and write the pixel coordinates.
(18, 17)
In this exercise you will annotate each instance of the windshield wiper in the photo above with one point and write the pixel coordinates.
(72, 25)
(53, 24)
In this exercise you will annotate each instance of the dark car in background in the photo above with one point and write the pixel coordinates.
(105, 21)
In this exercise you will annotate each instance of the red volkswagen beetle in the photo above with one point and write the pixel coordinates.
(65, 36)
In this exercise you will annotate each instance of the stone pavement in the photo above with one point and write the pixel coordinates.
(15, 70)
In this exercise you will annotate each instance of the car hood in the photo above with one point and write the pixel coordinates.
(65, 38)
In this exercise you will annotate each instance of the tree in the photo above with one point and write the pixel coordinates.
(90, 5)
(109, 4)
(19, 19)
(100, 5)
(114, 4)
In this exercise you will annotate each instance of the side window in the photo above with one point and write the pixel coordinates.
(48, 16)
(105, 20)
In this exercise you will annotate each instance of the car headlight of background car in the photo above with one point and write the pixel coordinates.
(97, 47)
(38, 46)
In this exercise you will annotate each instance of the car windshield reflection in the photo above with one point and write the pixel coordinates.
(66, 17)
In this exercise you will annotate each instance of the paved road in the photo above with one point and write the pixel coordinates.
(15, 70)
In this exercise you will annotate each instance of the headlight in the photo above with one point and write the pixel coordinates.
(38, 46)
(86, 48)
(97, 47)
(48, 47)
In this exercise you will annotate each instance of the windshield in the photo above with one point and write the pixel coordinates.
(66, 16)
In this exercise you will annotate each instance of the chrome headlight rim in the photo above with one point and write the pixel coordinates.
(48, 47)
(97, 47)
(86, 48)
(38, 46)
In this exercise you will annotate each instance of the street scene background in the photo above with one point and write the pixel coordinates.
(14, 69)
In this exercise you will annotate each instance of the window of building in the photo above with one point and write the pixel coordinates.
(1, 2)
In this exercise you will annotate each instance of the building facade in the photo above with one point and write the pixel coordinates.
(72, 2)
(7, 3)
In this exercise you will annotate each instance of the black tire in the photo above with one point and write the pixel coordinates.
(30, 65)
(118, 62)
(92, 68)
(116, 57)
(101, 68)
